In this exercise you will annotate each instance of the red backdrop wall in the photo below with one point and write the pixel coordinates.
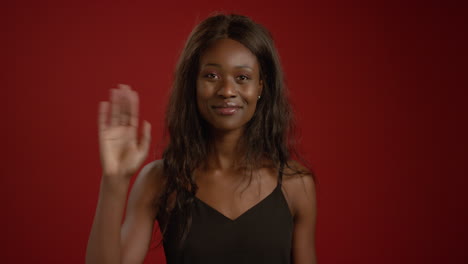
(378, 90)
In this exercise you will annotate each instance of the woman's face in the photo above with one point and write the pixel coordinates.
(228, 85)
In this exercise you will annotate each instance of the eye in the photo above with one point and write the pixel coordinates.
(211, 76)
(243, 77)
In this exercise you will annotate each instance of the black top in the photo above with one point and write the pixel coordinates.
(263, 234)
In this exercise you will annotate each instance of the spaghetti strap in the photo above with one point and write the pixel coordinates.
(215, 238)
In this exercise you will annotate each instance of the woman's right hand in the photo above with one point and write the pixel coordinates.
(121, 152)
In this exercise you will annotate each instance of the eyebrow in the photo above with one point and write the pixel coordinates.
(219, 66)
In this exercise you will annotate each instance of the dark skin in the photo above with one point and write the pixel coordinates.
(228, 87)
(229, 74)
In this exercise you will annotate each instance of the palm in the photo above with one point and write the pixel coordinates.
(121, 151)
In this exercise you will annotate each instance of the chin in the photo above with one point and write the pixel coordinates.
(226, 126)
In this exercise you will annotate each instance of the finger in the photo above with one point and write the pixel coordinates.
(146, 138)
(124, 86)
(125, 103)
(115, 105)
(134, 104)
(102, 116)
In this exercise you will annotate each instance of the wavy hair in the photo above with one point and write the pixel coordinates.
(267, 136)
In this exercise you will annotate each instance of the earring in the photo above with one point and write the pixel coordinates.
(259, 97)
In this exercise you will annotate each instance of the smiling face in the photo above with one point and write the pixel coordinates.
(228, 85)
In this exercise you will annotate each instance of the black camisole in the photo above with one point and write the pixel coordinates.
(263, 234)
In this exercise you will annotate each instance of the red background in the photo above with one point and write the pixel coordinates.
(379, 91)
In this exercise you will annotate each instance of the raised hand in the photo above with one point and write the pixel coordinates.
(121, 152)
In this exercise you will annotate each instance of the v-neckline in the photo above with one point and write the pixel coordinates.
(245, 212)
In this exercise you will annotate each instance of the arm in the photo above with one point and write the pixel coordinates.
(103, 243)
(111, 242)
(137, 229)
(122, 154)
(303, 248)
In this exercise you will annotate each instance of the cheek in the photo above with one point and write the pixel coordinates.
(200, 92)
(250, 95)
(204, 90)
(202, 96)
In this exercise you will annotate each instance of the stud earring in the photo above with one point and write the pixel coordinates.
(259, 97)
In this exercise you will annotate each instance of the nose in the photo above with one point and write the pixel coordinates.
(227, 89)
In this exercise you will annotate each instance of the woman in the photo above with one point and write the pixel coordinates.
(227, 189)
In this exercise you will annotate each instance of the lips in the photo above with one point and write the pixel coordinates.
(226, 108)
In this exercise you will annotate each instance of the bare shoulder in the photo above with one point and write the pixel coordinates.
(152, 172)
(148, 185)
(296, 175)
(299, 187)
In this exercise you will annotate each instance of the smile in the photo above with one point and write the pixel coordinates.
(226, 110)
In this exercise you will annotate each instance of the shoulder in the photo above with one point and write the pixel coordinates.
(149, 184)
(300, 184)
(299, 187)
(151, 174)
(152, 170)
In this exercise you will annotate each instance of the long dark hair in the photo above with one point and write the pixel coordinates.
(267, 135)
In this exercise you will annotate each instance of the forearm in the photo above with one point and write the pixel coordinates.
(104, 239)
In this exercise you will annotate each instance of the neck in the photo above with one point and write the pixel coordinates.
(225, 151)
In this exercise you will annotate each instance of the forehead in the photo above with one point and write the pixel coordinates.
(229, 53)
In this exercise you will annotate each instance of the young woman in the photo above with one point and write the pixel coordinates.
(227, 189)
